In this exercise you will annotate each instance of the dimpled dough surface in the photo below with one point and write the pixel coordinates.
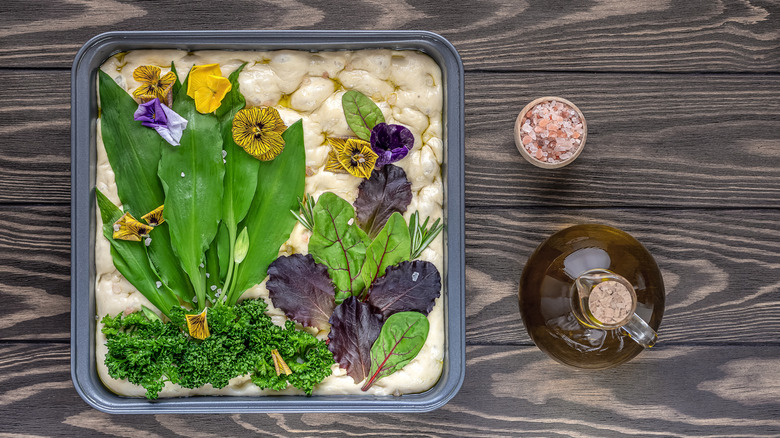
(406, 85)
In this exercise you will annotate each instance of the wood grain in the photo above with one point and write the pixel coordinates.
(654, 140)
(607, 35)
(719, 267)
(509, 391)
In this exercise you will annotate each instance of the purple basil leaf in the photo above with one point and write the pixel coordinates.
(391, 143)
(386, 192)
(354, 328)
(407, 286)
(302, 289)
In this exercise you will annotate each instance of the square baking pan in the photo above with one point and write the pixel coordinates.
(83, 154)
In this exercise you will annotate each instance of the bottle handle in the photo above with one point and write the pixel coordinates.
(640, 331)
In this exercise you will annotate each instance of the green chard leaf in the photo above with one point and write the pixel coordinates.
(338, 243)
(177, 84)
(391, 246)
(136, 150)
(362, 113)
(402, 337)
(131, 260)
(269, 223)
(192, 175)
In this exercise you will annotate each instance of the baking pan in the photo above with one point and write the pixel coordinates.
(83, 155)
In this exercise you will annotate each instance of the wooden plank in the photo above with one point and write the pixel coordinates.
(719, 267)
(654, 140)
(35, 273)
(687, 36)
(35, 151)
(509, 391)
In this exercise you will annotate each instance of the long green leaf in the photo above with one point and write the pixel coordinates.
(134, 153)
(361, 113)
(131, 260)
(269, 223)
(402, 337)
(192, 175)
(241, 169)
(391, 246)
(338, 243)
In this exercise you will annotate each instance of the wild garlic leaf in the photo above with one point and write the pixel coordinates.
(280, 183)
(302, 289)
(362, 113)
(386, 192)
(390, 247)
(132, 261)
(402, 337)
(407, 286)
(354, 328)
(192, 176)
(134, 153)
(338, 243)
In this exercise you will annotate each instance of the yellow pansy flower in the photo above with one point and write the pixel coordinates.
(154, 217)
(352, 155)
(128, 228)
(280, 366)
(152, 85)
(198, 326)
(259, 132)
(207, 87)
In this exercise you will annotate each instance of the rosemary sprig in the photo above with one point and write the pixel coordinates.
(306, 216)
(421, 235)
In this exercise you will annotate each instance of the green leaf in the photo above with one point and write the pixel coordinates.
(134, 153)
(176, 85)
(391, 246)
(132, 261)
(402, 337)
(241, 169)
(362, 113)
(192, 176)
(212, 269)
(338, 243)
(223, 251)
(269, 223)
(242, 246)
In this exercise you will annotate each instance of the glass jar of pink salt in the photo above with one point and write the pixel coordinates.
(550, 132)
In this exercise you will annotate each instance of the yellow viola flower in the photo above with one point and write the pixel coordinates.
(259, 132)
(207, 87)
(337, 145)
(154, 217)
(152, 85)
(198, 326)
(357, 157)
(128, 228)
(279, 364)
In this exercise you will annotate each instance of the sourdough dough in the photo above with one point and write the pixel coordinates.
(407, 87)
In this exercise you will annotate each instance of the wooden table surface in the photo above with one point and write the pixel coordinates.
(682, 99)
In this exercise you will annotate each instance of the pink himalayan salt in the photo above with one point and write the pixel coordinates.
(552, 131)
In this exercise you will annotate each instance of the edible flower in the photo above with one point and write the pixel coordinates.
(259, 132)
(198, 326)
(352, 155)
(279, 364)
(155, 114)
(154, 217)
(128, 228)
(207, 87)
(390, 142)
(152, 85)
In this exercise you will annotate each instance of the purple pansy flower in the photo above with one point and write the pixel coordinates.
(165, 121)
(390, 142)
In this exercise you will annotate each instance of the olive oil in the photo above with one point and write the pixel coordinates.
(548, 298)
